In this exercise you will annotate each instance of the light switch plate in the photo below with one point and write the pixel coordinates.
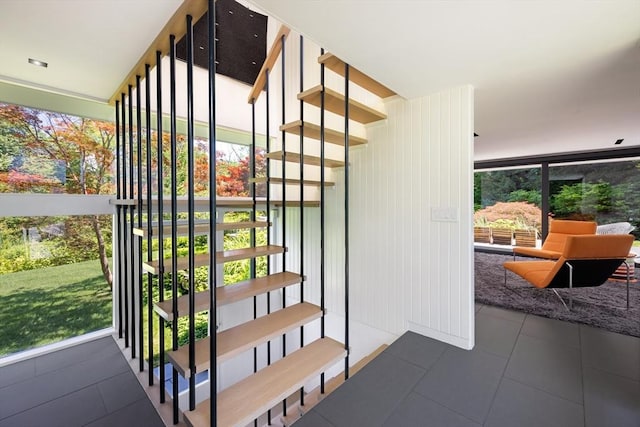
(444, 214)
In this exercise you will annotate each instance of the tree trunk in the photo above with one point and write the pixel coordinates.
(102, 252)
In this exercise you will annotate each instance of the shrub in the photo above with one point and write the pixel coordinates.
(513, 215)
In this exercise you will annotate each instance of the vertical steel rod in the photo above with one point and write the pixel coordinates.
(160, 184)
(268, 143)
(147, 92)
(129, 230)
(322, 211)
(191, 216)
(301, 195)
(346, 219)
(118, 218)
(252, 190)
(284, 202)
(174, 218)
(140, 210)
(213, 279)
(123, 227)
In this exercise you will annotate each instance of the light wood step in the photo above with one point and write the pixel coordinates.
(292, 181)
(356, 76)
(238, 339)
(242, 402)
(312, 398)
(269, 62)
(202, 203)
(228, 294)
(199, 228)
(201, 260)
(313, 131)
(334, 102)
(308, 160)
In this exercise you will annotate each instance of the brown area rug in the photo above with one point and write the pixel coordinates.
(603, 306)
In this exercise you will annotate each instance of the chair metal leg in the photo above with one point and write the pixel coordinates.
(570, 286)
(560, 298)
(628, 278)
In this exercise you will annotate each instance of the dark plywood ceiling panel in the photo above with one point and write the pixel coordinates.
(241, 41)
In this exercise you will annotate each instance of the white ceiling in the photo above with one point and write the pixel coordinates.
(550, 75)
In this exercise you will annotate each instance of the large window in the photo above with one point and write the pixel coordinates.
(507, 205)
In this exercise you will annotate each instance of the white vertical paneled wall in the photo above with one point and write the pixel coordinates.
(411, 207)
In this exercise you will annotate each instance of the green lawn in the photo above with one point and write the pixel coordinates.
(47, 305)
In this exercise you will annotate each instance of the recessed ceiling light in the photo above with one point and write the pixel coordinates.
(38, 63)
(619, 141)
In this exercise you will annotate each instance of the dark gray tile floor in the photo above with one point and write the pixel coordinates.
(90, 384)
(524, 371)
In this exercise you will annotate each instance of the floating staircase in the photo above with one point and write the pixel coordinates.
(246, 400)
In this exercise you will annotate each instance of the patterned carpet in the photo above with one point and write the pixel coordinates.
(603, 306)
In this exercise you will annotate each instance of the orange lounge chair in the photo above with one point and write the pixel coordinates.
(559, 230)
(586, 260)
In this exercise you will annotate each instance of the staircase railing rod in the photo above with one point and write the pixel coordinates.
(129, 230)
(160, 191)
(174, 219)
(147, 86)
(301, 195)
(322, 211)
(346, 219)
(139, 216)
(191, 216)
(118, 231)
(213, 277)
(284, 201)
(252, 234)
(268, 147)
(123, 227)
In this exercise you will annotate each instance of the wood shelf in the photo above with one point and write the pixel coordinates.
(199, 228)
(313, 131)
(238, 339)
(307, 159)
(334, 102)
(201, 260)
(228, 294)
(292, 181)
(356, 76)
(251, 397)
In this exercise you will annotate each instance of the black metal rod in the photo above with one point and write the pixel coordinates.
(252, 236)
(118, 218)
(213, 278)
(191, 216)
(284, 202)
(268, 205)
(346, 219)
(174, 218)
(322, 211)
(147, 92)
(129, 231)
(123, 227)
(160, 184)
(545, 195)
(140, 210)
(301, 195)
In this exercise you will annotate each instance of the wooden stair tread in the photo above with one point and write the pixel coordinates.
(291, 181)
(202, 203)
(238, 339)
(356, 76)
(312, 398)
(269, 62)
(199, 228)
(313, 131)
(251, 397)
(201, 260)
(334, 102)
(307, 159)
(228, 294)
